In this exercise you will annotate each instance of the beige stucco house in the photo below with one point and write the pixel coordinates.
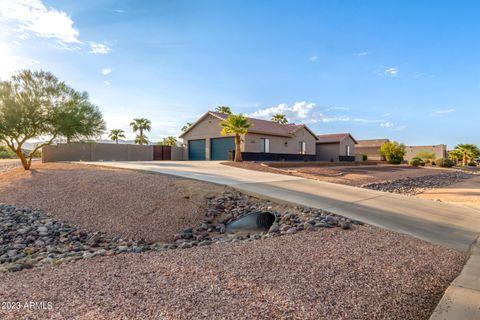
(264, 141)
(335, 147)
(440, 151)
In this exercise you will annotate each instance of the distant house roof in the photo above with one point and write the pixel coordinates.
(371, 142)
(334, 137)
(261, 126)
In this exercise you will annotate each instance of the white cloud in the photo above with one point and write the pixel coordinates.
(107, 83)
(305, 112)
(119, 10)
(389, 71)
(11, 62)
(32, 16)
(416, 74)
(361, 54)
(106, 71)
(386, 124)
(314, 58)
(441, 113)
(98, 48)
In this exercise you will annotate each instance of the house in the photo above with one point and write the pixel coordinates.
(371, 148)
(264, 141)
(335, 147)
(440, 151)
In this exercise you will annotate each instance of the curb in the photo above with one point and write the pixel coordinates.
(461, 300)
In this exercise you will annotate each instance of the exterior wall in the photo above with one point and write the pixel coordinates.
(205, 129)
(280, 145)
(328, 151)
(96, 152)
(440, 151)
(373, 153)
(178, 153)
(332, 151)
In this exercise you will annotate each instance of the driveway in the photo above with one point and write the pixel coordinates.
(445, 224)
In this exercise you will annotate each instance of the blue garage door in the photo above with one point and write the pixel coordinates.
(219, 148)
(196, 149)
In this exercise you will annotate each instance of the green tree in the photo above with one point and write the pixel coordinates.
(168, 141)
(35, 105)
(116, 134)
(223, 109)
(141, 125)
(465, 152)
(279, 118)
(237, 125)
(79, 118)
(186, 126)
(393, 151)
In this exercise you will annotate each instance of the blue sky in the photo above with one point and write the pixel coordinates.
(404, 70)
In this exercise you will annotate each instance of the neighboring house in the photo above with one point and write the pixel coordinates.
(440, 151)
(265, 140)
(371, 148)
(335, 147)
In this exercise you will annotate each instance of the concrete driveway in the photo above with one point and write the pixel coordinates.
(445, 224)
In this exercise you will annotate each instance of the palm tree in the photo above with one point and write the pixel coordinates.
(168, 141)
(467, 151)
(116, 134)
(141, 124)
(279, 118)
(237, 125)
(223, 109)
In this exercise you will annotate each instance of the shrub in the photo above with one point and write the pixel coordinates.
(472, 164)
(393, 152)
(434, 163)
(364, 157)
(444, 163)
(6, 153)
(415, 162)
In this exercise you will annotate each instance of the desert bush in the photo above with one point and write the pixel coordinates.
(393, 152)
(6, 153)
(364, 157)
(414, 162)
(444, 163)
(472, 164)
(434, 163)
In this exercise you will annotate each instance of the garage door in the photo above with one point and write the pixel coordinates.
(196, 149)
(219, 148)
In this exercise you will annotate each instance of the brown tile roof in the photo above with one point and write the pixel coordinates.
(334, 137)
(371, 142)
(268, 127)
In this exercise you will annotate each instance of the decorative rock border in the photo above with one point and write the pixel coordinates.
(416, 185)
(29, 238)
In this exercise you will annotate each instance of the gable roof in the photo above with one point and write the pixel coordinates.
(372, 142)
(334, 137)
(260, 126)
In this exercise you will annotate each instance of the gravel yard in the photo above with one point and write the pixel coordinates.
(7, 164)
(118, 202)
(363, 273)
(355, 175)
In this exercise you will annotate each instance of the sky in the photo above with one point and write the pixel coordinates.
(405, 70)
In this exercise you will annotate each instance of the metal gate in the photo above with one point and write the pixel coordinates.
(162, 153)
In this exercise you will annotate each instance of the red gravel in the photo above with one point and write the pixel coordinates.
(364, 273)
(119, 202)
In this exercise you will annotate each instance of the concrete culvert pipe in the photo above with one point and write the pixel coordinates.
(253, 221)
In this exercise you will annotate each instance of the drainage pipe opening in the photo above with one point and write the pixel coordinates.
(253, 221)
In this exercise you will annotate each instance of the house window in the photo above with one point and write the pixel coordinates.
(348, 150)
(303, 147)
(264, 145)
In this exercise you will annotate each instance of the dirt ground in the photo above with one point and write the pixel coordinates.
(349, 175)
(363, 273)
(119, 202)
(465, 193)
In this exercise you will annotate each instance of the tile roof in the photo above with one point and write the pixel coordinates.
(268, 127)
(334, 137)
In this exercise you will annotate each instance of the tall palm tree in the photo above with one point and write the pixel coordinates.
(223, 109)
(468, 151)
(141, 125)
(237, 125)
(279, 118)
(116, 134)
